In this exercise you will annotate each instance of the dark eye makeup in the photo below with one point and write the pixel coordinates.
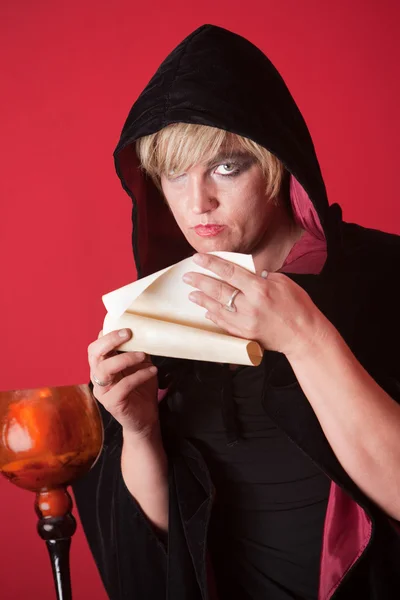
(235, 166)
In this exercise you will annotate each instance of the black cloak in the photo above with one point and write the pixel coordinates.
(217, 78)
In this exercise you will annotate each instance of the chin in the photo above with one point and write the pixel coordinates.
(213, 246)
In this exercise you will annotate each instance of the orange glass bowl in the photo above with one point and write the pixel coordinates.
(49, 437)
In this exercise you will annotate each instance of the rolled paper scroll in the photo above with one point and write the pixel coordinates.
(164, 322)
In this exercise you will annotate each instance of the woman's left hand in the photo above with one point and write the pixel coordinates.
(276, 312)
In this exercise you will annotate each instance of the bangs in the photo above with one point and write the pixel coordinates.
(178, 147)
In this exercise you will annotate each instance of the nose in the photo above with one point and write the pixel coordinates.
(202, 198)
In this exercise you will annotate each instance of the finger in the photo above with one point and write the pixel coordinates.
(215, 288)
(100, 390)
(107, 343)
(100, 334)
(228, 327)
(236, 276)
(201, 299)
(215, 308)
(130, 382)
(118, 399)
(111, 370)
(107, 369)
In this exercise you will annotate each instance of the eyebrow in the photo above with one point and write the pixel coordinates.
(226, 155)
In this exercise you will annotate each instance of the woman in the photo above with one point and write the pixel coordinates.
(280, 481)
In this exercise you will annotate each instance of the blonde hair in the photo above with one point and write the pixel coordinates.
(180, 146)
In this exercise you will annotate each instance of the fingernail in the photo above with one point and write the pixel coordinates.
(187, 278)
(153, 369)
(123, 333)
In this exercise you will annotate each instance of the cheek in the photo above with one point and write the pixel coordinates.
(258, 204)
(173, 202)
(180, 215)
(246, 203)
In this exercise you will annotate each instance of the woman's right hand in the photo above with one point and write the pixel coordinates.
(131, 397)
(130, 393)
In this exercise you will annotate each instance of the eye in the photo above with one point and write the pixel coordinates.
(173, 175)
(228, 168)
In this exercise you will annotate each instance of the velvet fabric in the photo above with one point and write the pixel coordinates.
(217, 78)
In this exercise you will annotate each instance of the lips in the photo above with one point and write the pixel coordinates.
(209, 230)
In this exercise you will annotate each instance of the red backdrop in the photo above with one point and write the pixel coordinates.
(70, 71)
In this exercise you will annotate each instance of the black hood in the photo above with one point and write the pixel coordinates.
(217, 78)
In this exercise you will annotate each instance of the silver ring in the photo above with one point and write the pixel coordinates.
(101, 383)
(230, 305)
